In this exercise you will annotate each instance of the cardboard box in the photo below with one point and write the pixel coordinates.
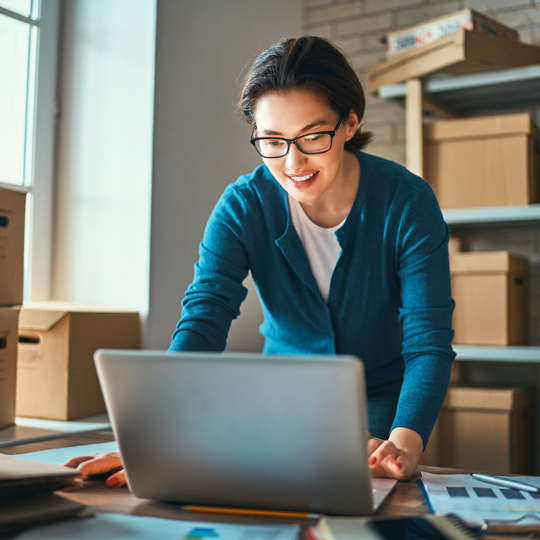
(12, 206)
(430, 455)
(434, 29)
(454, 244)
(461, 52)
(56, 376)
(487, 429)
(490, 291)
(9, 317)
(487, 161)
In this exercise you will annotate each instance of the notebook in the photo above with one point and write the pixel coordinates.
(242, 430)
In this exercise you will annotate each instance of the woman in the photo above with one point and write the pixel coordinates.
(349, 252)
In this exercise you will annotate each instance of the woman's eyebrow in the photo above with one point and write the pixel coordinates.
(313, 125)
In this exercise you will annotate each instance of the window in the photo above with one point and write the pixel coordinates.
(28, 51)
(18, 37)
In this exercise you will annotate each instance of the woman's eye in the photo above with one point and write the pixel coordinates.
(311, 138)
(274, 142)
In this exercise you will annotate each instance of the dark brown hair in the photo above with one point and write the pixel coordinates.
(307, 63)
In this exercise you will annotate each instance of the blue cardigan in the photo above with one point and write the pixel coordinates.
(389, 304)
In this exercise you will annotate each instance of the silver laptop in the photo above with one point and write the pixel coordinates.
(241, 430)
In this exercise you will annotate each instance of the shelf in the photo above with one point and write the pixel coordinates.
(497, 354)
(480, 92)
(515, 215)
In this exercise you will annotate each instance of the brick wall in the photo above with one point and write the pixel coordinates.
(357, 26)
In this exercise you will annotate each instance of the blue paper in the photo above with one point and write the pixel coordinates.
(119, 526)
(58, 456)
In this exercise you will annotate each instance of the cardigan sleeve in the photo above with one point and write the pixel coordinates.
(425, 312)
(213, 299)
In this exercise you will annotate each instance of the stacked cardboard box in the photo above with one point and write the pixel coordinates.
(490, 291)
(56, 375)
(434, 29)
(12, 208)
(485, 429)
(487, 161)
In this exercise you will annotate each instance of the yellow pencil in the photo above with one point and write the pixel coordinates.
(249, 512)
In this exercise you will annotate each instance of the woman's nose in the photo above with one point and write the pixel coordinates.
(295, 158)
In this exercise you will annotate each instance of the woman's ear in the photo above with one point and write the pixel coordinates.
(351, 124)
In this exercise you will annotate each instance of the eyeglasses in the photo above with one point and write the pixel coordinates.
(312, 143)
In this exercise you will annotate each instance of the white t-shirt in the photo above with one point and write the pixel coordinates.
(320, 243)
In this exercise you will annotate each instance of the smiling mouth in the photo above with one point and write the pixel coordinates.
(304, 178)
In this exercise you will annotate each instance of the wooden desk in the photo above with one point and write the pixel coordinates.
(405, 498)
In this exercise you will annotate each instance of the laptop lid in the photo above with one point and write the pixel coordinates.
(241, 430)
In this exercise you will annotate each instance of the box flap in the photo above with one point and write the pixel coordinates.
(39, 319)
(44, 315)
(486, 261)
(8, 318)
(496, 399)
(485, 126)
(73, 307)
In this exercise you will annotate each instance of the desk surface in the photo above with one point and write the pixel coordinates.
(405, 498)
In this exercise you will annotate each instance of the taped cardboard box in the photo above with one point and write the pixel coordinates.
(490, 291)
(9, 317)
(461, 52)
(487, 161)
(429, 31)
(12, 206)
(487, 429)
(56, 376)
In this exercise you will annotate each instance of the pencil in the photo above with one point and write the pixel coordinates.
(250, 512)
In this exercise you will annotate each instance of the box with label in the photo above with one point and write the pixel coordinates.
(490, 291)
(56, 376)
(487, 161)
(487, 429)
(9, 317)
(434, 29)
(460, 52)
(12, 206)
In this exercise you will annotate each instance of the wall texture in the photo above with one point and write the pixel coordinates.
(200, 145)
(357, 26)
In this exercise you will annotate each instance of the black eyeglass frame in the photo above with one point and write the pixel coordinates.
(332, 134)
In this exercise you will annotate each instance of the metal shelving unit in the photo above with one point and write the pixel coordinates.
(479, 93)
(497, 354)
(504, 215)
(474, 95)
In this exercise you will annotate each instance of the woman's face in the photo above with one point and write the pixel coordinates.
(307, 178)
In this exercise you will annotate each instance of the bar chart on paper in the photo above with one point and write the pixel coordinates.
(476, 502)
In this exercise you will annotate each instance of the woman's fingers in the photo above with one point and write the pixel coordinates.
(96, 464)
(383, 450)
(373, 444)
(117, 479)
(387, 460)
(99, 464)
(76, 461)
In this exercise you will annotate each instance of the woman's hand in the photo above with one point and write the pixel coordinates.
(398, 456)
(395, 458)
(100, 463)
